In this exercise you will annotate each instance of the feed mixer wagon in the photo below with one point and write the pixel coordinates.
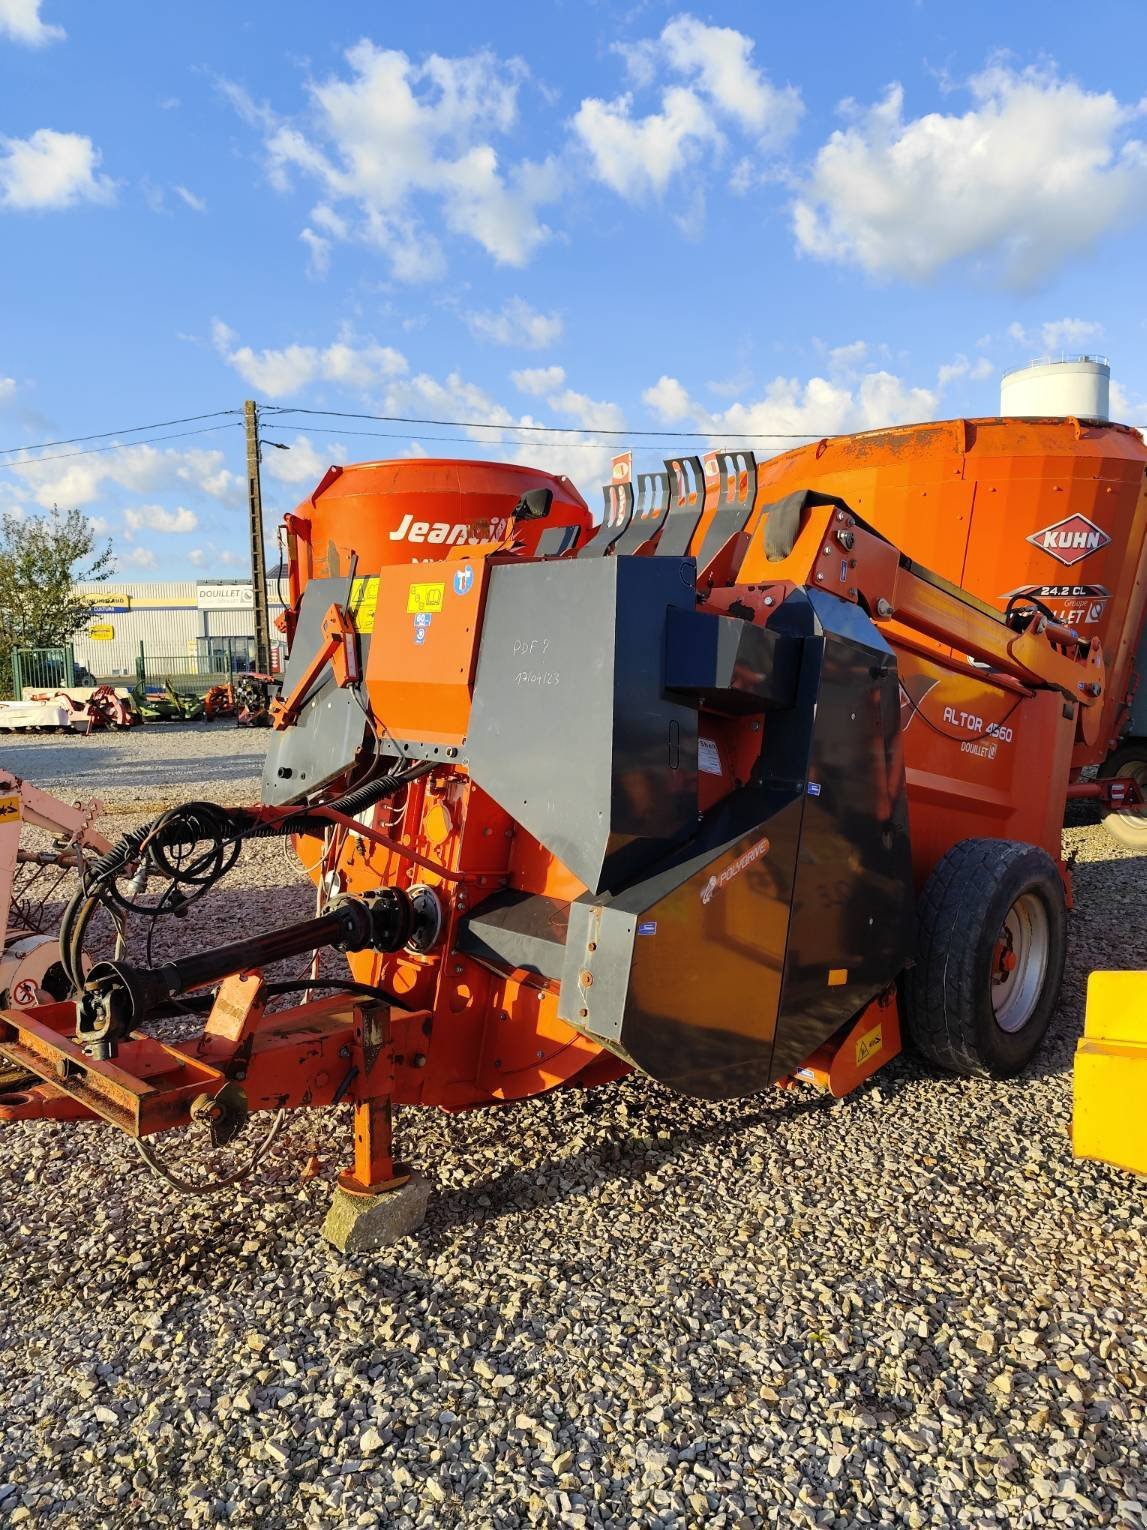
(728, 789)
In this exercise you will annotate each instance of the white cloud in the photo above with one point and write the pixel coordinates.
(960, 367)
(591, 414)
(638, 157)
(715, 83)
(100, 525)
(20, 20)
(517, 324)
(1037, 170)
(845, 360)
(197, 204)
(7, 390)
(51, 170)
(318, 252)
(294, 367)
(1057, 334)
(577, 454)
(136, 469)
(214, 557)
(141, 557)
(669, 400)
(396, 134)
(156, 518)
(548, 382)
(787, 407)
(720, 60)
(302, 464)
(538, 380)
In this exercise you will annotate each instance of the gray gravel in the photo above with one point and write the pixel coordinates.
(912, 1307)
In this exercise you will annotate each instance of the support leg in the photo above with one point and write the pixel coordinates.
(378, 1201)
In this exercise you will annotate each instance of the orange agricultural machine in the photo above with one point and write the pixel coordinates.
(732, 788)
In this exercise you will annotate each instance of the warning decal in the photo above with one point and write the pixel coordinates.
(425, 597)
(9, 809)
(364, 603)
(868, 1043)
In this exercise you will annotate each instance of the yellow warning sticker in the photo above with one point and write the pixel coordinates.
(837, 977)
(425, 597)
(364, 603)
(9, 809)
(870, 1042)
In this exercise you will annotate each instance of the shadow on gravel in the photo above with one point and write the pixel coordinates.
(549, 1183)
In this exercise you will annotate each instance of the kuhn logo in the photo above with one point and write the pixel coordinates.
(1070, 541)
(721, 878)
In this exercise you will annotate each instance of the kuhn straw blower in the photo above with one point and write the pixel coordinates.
(727, 789)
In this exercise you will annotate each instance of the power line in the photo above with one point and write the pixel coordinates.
(132, 430)
(119, 446)
(570, 430)
(406, 435)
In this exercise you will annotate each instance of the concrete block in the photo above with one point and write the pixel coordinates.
(358, 1224)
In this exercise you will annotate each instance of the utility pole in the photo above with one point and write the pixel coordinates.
(258, 559)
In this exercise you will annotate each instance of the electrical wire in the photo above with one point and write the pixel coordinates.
(118, 446)
(563, 430)
(130, 430)
(206, 1187)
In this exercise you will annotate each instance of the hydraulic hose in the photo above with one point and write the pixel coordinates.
(223, 830)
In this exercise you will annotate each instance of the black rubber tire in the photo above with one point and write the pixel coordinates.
(948, 993)
(1130, 759)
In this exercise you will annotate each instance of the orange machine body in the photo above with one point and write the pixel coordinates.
(974, 731)
(426, 564)
(1050, 508)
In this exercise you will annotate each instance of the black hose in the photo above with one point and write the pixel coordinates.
(222, 829)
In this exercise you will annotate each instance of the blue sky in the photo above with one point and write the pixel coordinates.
(789, 220)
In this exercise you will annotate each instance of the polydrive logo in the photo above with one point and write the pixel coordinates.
(742, 863)
(1070, 541)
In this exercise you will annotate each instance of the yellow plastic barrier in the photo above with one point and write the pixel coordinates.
(1110, 1120)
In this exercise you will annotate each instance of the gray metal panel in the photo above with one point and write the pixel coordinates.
(517, 932)
(571, 730)
(329, 734)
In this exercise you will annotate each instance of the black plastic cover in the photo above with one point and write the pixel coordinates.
(726, 966)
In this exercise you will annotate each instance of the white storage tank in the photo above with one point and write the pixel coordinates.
(1079, 386)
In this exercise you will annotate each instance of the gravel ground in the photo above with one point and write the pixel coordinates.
(911, 1307)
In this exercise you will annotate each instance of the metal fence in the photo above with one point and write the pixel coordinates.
(43, 669)
(54, 669)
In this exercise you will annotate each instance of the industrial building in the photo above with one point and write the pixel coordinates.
(189, 626)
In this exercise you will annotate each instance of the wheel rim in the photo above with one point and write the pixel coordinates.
(1019, 962)
(1135, 817)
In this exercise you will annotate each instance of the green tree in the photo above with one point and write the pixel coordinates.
(41, 558)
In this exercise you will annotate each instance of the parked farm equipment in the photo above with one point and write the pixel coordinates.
(731, 789)
(85, 710)
(31, 880)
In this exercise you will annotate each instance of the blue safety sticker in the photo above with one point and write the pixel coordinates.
(647, 927)
(421, 626)
(463, 579)
(814, 788)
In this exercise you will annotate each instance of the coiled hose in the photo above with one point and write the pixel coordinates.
(222, 830)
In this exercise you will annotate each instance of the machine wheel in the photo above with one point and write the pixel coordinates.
(991, 948)
(1130, 759)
